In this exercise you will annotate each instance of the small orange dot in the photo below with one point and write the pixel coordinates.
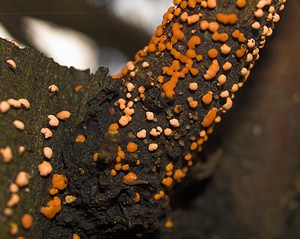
(167, 181)
(78, 88)
(80, 139)
(53, 191)
(178, 174)
(194, 146)
(241, 3)
(130, 177)
(169, 167)
(26, 221)
(96, 157)
(118, 166)
(188, 157)
(193, 104)
(125, 167)
(132, 147)
(207, 98)
(156, 196)
(210, 117)
(113, 172)
(213, 53)
(137, 197)
(76, 236)
(121, 154)
(168, 224)
(113, 127)
(59, 181)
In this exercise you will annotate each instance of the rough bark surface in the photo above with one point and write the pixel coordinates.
(30, 80)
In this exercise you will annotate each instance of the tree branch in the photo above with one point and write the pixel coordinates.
(137, 135)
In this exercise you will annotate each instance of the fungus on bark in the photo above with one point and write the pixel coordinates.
(119, 152)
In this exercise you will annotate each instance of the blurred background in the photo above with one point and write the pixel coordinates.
(83, 33)
(255, 191)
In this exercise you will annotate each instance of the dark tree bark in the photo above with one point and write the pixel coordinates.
(106, 200)
(30, 80)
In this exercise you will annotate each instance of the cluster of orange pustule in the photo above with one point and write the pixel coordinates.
(17, 111)
(197, 60)
(198, 45)
(59, 181)
(8, 153)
